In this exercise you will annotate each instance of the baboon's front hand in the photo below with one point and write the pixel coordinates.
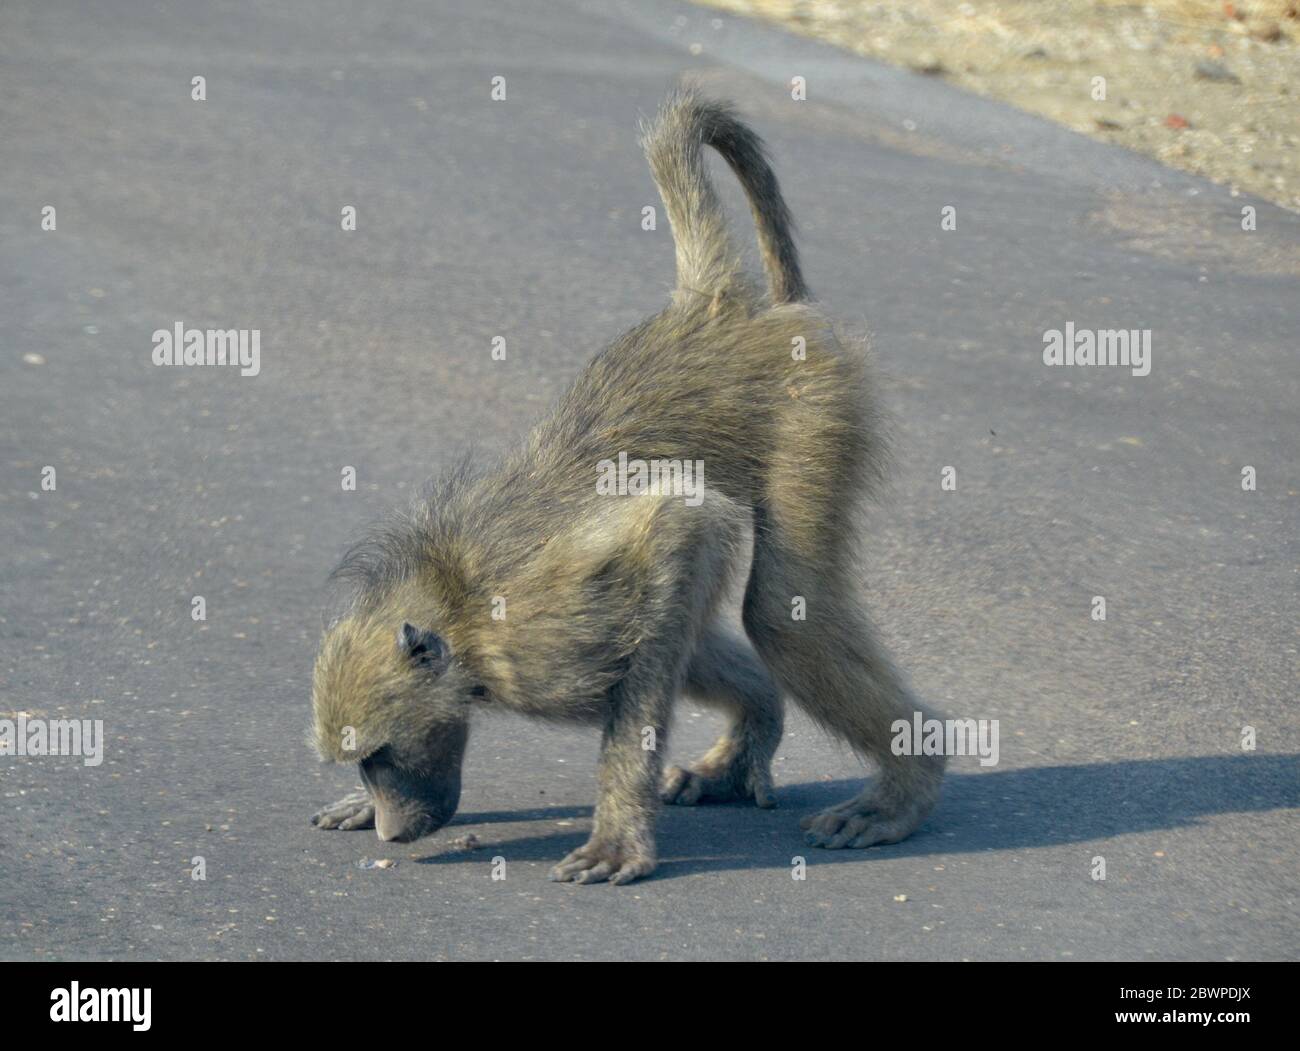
(618, 861)
(354, 811)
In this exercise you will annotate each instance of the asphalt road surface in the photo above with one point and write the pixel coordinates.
(1120, 739)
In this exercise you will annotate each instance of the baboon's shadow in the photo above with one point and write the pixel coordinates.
(997, 809)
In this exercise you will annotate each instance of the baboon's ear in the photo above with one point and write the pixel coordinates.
(423, 647)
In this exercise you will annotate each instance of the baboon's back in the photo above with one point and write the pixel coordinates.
(694, 383)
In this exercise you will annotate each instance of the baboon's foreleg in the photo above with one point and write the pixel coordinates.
(684, 575)
(352, 811)
(833, 666)
(622, 843)
(725, 674)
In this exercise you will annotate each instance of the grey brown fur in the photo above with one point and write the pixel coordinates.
(610, 602)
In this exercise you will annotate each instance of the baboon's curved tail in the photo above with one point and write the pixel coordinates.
(705, 258)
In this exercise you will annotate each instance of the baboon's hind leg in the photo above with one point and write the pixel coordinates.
(724, 673)
(830, 662)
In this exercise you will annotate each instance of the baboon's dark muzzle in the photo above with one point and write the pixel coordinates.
(397, 826)
(410, 803)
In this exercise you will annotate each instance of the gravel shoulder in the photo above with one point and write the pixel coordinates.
(1199, 85)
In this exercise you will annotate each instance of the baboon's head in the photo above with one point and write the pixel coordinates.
(390, 696)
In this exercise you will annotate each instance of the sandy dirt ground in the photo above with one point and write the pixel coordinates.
(1206, 86)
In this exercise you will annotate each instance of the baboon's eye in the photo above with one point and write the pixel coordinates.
(478, 691)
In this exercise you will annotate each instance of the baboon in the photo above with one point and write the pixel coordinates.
(522, 588)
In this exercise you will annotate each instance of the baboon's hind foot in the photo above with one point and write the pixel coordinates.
(724, 774)
(886, 812)
(726, 674)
